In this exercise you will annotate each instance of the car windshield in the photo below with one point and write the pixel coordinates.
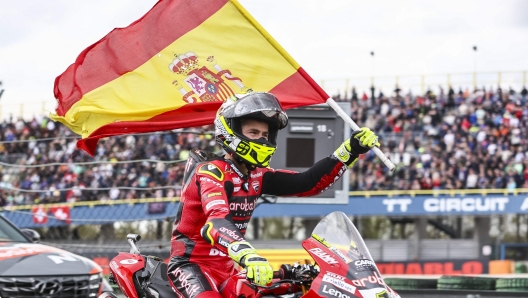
(8, 233)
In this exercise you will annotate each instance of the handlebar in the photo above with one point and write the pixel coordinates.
(296, 272)
(278, 274)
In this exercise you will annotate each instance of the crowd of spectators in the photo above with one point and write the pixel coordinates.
(125, 167)
(450, 140)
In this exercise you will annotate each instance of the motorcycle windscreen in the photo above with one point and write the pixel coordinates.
(341, 236)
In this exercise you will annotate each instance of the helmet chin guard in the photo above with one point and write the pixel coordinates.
(260, 106)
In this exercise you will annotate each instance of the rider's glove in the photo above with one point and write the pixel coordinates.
(360, 142)
(258, 269)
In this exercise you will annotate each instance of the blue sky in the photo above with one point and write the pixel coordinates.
(331, 39)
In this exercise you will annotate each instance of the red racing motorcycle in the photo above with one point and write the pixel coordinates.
(343, 269)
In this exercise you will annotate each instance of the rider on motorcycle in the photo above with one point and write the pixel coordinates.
(218, 200)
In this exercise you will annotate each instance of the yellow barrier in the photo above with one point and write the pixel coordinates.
(277, 257)
(500, 267)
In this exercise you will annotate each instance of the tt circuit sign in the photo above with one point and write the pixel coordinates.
(455, 205)
(418, 205)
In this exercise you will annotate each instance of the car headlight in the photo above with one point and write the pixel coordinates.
(94, 284)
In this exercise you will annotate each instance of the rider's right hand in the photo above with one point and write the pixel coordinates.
(360, 142)
(258, 269)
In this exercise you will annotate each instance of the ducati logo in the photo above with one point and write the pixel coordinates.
(256, 186)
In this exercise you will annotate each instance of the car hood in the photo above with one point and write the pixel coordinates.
(31, 259)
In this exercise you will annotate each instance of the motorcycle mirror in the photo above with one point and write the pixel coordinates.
(132, 239)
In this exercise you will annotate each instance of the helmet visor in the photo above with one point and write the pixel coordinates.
(264, 104)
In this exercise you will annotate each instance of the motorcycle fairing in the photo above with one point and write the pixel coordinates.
(124, 267)
(346, 267)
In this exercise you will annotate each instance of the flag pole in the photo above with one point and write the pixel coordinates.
(354, 126)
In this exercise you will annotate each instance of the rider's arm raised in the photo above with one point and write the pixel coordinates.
(322, 174)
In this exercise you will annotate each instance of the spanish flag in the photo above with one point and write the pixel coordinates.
(173, 68)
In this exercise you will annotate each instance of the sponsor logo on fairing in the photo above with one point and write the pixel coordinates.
(335, 275)
(245, 206)
(324, 256)
(231, 233)
(214, 203)
(364, 264)
(236, 189)
(372, 279)
(128, 262)
(184, 281)
(334, 292)
(216, 252)
(339, 283)
(237, 180)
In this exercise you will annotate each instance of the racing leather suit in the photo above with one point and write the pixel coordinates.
(215, 208)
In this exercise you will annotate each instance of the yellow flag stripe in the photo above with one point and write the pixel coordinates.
(265, 33)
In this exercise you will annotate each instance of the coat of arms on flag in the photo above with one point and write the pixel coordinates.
(205, 84)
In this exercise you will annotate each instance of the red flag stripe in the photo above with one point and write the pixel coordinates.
(306, 91)
(155, 31)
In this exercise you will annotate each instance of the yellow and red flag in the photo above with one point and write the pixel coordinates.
(173, 68)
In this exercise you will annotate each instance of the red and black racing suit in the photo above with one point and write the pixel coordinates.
(215, 208)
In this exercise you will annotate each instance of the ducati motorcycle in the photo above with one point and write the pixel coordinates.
(343, 268)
